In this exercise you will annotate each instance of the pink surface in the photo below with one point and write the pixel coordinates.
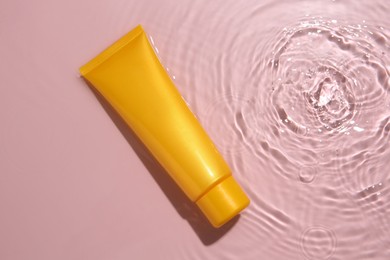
(71, 185)
(76, 184)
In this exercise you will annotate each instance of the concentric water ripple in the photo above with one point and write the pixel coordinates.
(323, 114)
(294, 93)
(296, 96)
(323, 73)
(329, 92)
(318, 242)
(228, 114)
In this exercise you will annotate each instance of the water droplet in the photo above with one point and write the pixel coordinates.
(151, 40)
(318, 242)
(358, 129)
(307, 174)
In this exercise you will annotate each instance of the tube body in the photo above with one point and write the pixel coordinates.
(130, 77)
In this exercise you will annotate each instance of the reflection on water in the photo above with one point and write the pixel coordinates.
(296, 95)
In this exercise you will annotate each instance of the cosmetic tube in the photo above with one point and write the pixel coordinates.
(129, 75)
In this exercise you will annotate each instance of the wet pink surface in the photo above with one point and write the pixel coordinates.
(76, 184)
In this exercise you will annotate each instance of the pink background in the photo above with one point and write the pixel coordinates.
(76, 184)
(72, 185)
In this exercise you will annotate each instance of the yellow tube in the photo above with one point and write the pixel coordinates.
(131, 78)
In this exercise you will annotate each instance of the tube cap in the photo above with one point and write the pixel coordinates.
(223, 202)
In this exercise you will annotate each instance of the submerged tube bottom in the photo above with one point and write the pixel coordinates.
(224, 201)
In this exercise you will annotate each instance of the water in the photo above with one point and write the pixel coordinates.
(296, 95)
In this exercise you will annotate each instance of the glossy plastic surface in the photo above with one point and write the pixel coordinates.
(129, 75)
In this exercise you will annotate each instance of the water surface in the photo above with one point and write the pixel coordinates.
(296, 95)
